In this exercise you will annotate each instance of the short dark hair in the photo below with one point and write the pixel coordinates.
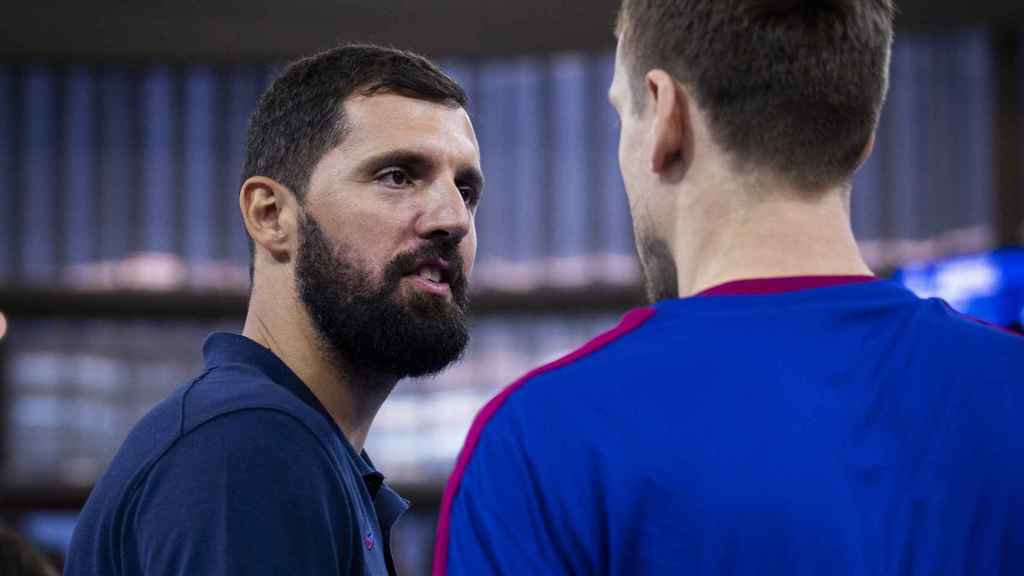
(301, 117)
(794, 86)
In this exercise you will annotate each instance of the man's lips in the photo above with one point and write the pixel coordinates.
(431, 287)
(434, 276)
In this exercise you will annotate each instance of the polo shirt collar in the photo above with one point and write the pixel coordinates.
(389, 504)
(222, 348)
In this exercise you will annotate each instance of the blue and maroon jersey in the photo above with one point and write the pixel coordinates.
(797, 426)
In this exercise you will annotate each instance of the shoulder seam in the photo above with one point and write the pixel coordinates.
(252, 408)
(131, 490)
(977, 321)
(127, 495)
(184, 396)
(630, 322)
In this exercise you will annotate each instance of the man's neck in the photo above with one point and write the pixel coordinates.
(779, 235)
(352, 399)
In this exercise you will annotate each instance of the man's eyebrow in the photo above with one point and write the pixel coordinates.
(408, 159)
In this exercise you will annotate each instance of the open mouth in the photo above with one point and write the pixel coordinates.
(433, 276)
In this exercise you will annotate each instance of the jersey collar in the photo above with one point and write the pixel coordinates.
(756, 286)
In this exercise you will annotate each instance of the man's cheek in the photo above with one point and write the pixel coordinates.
(468, 253)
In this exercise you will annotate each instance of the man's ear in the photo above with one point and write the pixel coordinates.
(670, 126)
(271, 215)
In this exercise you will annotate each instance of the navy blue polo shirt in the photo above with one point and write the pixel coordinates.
(241, 471)
(792, 426)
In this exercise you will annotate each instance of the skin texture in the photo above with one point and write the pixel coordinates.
(699, 218)
(406, 174)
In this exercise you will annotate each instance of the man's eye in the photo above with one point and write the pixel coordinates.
(469, 195)
(395, 178)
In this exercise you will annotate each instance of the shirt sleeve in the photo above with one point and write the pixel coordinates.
(252, 492)
(498, 521)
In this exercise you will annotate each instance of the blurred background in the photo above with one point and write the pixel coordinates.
(121, 142)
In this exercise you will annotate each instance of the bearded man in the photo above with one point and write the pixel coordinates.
(361, 181)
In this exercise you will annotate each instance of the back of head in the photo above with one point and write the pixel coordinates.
(792, 86)
(19, 558)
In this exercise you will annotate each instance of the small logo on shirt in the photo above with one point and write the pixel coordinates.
(369, 541)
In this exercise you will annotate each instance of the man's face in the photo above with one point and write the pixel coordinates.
(387, 236)
(651, 222)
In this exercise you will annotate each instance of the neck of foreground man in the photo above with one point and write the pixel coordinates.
(781, 233)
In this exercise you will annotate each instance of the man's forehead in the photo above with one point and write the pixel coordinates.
(396, 110)
(384, 116)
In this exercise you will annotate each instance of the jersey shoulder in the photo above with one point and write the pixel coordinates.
(492, 421)
(971, 342)
(583, 365)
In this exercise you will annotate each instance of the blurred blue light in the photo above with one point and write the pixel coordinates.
(988, 286)
(49, 530)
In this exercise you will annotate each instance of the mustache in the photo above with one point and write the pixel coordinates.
(441, 249)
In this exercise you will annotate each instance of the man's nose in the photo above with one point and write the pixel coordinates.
(446, 214)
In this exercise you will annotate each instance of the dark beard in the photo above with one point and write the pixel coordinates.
(659, 270)
(364, 325)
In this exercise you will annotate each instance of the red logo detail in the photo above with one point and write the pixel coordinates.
(369, 541)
